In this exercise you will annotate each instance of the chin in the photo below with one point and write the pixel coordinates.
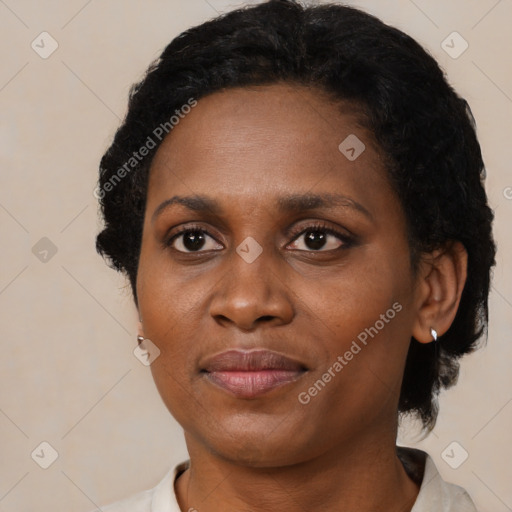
(258, 451)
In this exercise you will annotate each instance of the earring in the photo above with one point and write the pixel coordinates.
(140, 339)
(433, 332)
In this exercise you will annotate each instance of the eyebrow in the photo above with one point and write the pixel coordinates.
(289, 203)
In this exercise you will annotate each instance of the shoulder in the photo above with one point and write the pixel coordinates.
(140, 502)
(161, 498)
(449, 497)
(435, 493)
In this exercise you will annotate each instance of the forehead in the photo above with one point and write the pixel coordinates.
(272, 139)
(248, 116)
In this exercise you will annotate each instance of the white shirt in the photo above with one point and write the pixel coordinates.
(435, 494)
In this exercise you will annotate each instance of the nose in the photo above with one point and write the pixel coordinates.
(251, 294)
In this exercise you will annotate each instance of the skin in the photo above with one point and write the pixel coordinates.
(246, 148)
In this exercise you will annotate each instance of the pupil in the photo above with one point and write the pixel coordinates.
(194, 240)
(315, 239)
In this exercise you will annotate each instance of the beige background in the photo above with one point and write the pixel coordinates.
(68, 375)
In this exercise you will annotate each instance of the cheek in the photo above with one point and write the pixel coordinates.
(362, 316)
(358, 381)
(165, 308)
(164, 302)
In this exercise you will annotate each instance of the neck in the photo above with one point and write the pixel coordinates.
(362, 475)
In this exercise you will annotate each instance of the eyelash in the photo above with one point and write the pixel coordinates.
(347, 240)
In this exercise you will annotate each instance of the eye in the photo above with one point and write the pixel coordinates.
(317, 238)
(320, 238)
(192, 239)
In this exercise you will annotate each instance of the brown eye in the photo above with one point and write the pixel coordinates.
(321, 238)
(192, 239)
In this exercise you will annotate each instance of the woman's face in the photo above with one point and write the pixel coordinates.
(302, 252)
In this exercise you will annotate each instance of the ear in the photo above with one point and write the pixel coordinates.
(441, 279)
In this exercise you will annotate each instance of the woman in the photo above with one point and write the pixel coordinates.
(296, 196)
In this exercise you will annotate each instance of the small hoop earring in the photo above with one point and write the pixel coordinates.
(434, 333)
(140, 339)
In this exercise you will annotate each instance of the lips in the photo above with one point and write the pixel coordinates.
(249, 374)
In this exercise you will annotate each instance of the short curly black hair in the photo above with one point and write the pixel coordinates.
(424, 128)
